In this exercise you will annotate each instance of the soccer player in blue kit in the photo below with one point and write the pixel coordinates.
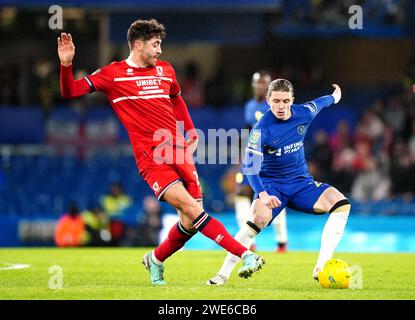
(254, 109)
(277, 171)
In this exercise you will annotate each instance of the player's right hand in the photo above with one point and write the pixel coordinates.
(66, 49)
(270, 201)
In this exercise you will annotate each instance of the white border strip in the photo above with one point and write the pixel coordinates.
(142, 78)
(150, 92)
(142, 97)
(254, 152)
(167, 187)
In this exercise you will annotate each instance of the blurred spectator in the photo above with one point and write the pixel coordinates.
(362, 138)
(411, 142)
(321, 154)
(395, 114)
(343, 172)
(402, 170)
(113, 204)
(341, 138)
(229, 185)
(97, 226)
(361, 157)
(48, 84)
(150, 227)
(370, 184)
(115, 201)
(192, 86)
(70, 229)
(374, 128)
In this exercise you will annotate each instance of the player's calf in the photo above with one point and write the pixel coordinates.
(332, 232)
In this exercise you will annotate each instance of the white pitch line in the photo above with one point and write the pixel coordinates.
(13, 266)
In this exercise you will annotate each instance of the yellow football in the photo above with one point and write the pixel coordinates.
(335, 274)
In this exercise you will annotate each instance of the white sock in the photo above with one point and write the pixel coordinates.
(331, 236)
(242, 209)
(245, 236)
(280, 227)
(155, 260)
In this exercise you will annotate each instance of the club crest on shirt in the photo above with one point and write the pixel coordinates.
(159, 70)
(156, 186)
(301, 129)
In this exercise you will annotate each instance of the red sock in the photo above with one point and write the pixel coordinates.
(175, 240)
(215, 230)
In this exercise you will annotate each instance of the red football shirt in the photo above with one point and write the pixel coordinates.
(141, 99)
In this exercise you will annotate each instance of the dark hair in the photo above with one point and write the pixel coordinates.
(280, 85)
(145, 30)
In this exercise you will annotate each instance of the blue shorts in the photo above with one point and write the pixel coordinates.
(298, 194)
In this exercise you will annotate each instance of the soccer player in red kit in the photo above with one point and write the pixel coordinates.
(144, 94)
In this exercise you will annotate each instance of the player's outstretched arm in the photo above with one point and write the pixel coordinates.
(319, 104)
(70, 88)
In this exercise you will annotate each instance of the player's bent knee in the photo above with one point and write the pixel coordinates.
(261, 220)
(343, 205)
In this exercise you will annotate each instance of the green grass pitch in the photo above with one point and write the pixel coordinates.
(118, 274)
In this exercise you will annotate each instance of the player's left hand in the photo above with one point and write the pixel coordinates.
(337, 93)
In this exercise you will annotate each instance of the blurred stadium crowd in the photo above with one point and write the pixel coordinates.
(370, 157)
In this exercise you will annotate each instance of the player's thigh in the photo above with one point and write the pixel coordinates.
(261, 215)
(328, 199)
(159, 176)
(188, 174)
(306, 196)
(178, 197)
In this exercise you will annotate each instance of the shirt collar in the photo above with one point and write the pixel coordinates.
(130, 62)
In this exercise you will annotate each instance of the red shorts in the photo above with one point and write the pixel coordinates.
(161, 176)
